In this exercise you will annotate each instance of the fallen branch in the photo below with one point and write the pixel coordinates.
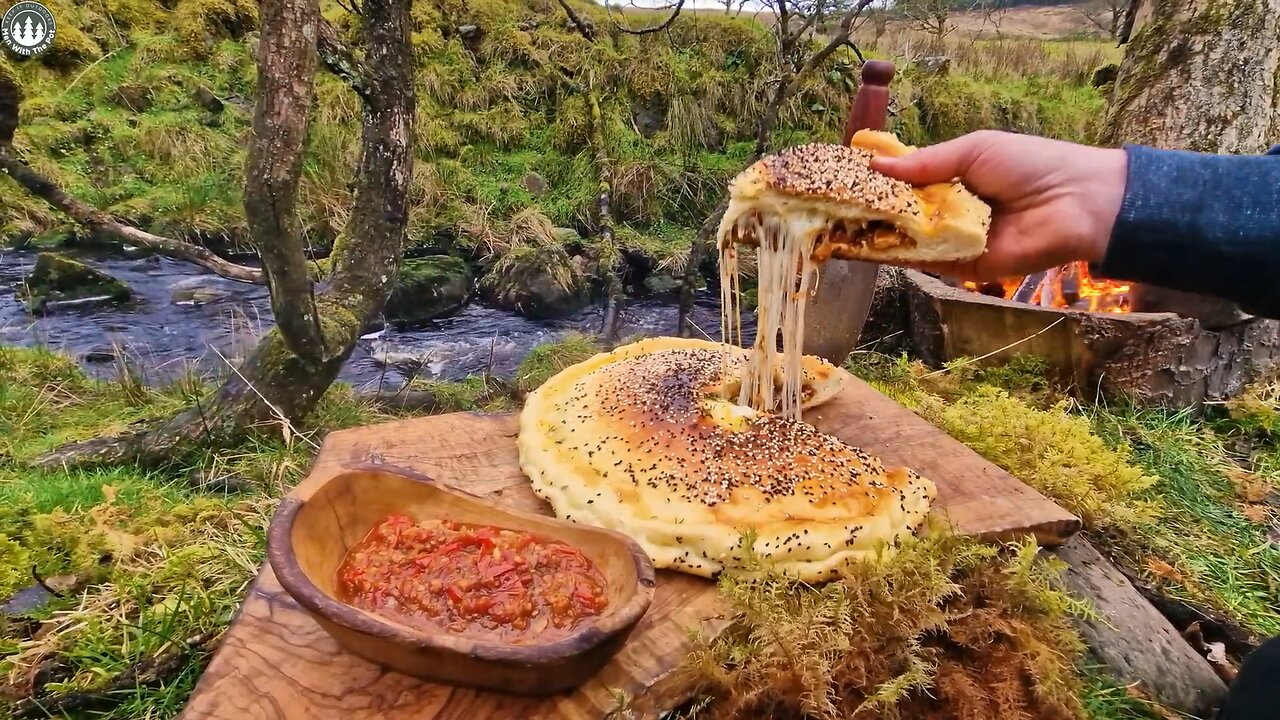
(577, 21)
(429, 402)
(95, 220)
(147, 672)
(671, 18)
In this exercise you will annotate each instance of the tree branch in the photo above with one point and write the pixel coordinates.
(90, 217)
(836, 41)
(365, 261)
(604, 218)
(675, 13)
(574, 18)
(340, 61)
(147, 672)
(273, 169)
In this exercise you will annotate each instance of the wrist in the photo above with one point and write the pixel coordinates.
(1108, 177)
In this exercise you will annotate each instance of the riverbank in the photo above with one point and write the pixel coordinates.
(182, 319)
(143, 114)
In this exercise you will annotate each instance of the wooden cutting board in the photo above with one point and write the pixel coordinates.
(276, 663)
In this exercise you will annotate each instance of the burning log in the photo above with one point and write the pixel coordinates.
(1071, 284)
(1049, 288)
(1027, 290)
(1160, 359)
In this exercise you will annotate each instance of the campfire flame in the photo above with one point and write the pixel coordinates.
(1067, 287)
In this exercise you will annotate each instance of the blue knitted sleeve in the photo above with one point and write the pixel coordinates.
(1208, 224)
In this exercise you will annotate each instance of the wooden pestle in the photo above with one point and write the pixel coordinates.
(838, 309)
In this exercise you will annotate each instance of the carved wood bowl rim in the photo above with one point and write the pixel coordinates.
(616, 620)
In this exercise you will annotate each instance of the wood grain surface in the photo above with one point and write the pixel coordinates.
(276, 663)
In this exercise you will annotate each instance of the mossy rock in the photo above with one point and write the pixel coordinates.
(429, 288)
(57, 278)
(538, 282)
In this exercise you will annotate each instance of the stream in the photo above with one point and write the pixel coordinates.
(161, 338)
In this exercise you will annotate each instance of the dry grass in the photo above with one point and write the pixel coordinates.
(998, 58)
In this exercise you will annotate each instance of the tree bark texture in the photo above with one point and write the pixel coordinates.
(273, 169)
(1201, 75)
(1155, 359)
(276, 386)
(1133, 639)
(614, 295)
(90, 217)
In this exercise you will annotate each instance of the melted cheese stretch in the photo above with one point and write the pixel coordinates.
(787, 275)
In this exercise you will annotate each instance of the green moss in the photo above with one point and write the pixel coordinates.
(945, 622)
(473, 394)
(1118, 468)
(428, 288)
(151, 558)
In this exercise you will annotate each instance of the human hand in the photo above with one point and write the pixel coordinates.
(1052, 202)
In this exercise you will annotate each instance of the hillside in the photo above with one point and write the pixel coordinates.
(141, 110)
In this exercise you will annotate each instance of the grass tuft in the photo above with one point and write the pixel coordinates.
(547, 359)
(946, 628)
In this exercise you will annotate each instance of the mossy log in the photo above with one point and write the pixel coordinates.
(276, 387)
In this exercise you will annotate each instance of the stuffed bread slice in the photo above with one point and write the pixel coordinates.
(829, 196)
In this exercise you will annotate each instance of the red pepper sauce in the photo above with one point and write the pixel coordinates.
(474, 580)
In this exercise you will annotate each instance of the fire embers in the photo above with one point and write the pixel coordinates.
(1069, 287)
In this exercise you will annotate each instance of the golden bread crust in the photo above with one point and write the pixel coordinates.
(638, 440)
(854, 212)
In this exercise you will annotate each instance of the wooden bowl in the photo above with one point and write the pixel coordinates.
(317, 523)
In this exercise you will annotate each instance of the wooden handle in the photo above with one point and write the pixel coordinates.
(870, 107)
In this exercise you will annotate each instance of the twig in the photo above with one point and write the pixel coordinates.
(91, 66)
(148, 671)
(574, 18)
(675, 13)
(1015, 343)
(35, 575)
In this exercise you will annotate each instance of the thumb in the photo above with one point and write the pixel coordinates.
(939, 163)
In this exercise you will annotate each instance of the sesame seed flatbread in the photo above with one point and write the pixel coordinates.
(641, 440)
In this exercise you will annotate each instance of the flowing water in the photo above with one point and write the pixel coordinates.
(161, 337)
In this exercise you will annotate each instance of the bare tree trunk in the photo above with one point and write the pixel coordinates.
(286, 72)
(275, 386)
(1198, 75)
(90, 217)
(614, 296)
